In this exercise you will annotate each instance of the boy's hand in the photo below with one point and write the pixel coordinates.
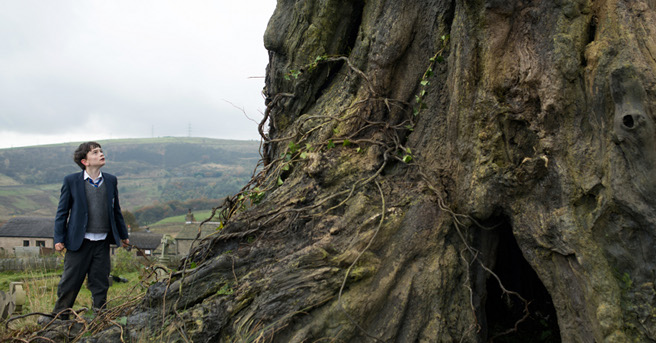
(125, 242)
(59, 246)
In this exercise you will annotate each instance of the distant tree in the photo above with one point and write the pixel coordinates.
(130, 220)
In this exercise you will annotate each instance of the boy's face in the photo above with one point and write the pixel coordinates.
(95, 158)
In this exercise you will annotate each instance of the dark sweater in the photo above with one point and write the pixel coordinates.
(98, 221)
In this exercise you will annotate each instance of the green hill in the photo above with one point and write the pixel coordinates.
(151, 172)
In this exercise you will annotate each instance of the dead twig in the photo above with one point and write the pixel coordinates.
(243, 111)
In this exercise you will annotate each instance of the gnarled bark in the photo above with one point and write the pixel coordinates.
(430, 165)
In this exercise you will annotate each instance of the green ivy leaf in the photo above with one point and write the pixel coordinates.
(280, 181)
(293, 147)
(425, 83)
(407, 158)
(256, 196)
(346, 142)
(304, 155)
(331, 144)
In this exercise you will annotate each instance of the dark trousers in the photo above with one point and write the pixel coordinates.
(92, 260)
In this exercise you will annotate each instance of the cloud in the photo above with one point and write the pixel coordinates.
(131, 68)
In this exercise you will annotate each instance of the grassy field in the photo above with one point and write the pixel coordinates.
(41, 293)
(199, 216)
(28, 200)
(7, 181)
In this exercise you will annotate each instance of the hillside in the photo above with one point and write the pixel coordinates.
(150, 171)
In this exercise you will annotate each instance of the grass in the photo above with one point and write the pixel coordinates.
(30, 199)
(7, 277)
(7, 181)
(199, 216)
(41, 293)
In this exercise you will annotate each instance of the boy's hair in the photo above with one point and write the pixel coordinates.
(82, 151)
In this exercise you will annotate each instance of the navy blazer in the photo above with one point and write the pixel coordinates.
(72, 213)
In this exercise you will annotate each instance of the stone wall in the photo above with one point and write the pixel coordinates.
(31, 263)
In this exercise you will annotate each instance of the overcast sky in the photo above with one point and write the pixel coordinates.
(73, 70)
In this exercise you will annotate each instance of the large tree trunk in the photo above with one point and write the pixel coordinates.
(440, 171)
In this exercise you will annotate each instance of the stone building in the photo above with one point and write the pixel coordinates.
(26, 232)
(189, 232)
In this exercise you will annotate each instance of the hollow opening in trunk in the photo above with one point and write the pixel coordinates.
(503, 311)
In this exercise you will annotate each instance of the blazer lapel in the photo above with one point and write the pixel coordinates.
(81, 194)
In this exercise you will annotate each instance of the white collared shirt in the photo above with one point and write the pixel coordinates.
(87, 176)
(88, 235)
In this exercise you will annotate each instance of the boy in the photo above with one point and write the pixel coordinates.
(88, 220)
